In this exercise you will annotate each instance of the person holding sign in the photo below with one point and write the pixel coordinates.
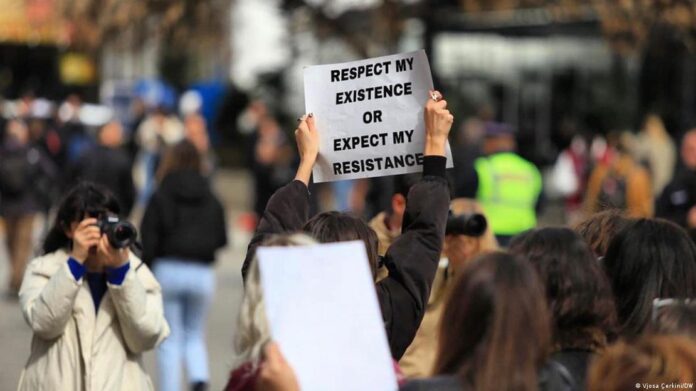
(411, 260)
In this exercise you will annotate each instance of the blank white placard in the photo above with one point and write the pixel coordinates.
(322, 310)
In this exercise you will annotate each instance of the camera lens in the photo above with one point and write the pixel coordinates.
(476, 225)
(466, 224)
(122, 234)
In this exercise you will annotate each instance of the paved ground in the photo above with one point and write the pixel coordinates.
(15, 336)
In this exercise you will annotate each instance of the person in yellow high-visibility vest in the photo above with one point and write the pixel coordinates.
(509, 187)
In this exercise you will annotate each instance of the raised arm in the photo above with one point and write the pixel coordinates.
(413, 258)
(288, 209)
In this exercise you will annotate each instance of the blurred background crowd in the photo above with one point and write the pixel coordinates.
(599, 95)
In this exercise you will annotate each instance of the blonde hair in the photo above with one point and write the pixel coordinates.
(252, 325)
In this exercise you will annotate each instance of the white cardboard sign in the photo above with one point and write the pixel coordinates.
(322, 310)
(369, 114)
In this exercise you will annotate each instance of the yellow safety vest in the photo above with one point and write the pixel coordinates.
(508, 190)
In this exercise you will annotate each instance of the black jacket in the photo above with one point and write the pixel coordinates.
(552, 377)
(183, 220)
(576, 361)
(110, 167)
(27, 180)
(412, 259)
(677, 198)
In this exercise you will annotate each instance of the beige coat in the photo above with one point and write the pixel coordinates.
(74, 349)
(419, 358)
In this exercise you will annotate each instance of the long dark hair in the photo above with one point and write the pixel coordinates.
(182, 156)
(577, 290)
(335, 226)
(83, 197)
(494, 331)
(650, 259)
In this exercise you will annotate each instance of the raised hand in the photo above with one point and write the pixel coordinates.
(307, 139)
(110, 256)
(85, 236)
(438, 122)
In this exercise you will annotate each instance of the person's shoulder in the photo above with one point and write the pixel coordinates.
(438, 383)
(143, 272)
(377, 222)
(48, 264)
(554, 376)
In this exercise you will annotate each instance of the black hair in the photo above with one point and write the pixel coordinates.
(328, 227)
(577, 290)
(650, 259)
(82, 198)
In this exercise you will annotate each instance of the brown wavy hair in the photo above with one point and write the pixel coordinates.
(652, 360)
(494, 331)
(600, 228)
(577, 290)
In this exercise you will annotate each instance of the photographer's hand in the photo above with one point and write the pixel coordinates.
(307, 138)
(85, 236)
(109, 256)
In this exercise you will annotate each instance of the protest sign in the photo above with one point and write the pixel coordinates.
(322, 310)
(369, 114)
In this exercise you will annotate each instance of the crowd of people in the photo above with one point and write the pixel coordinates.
(552, 308)
(473, 295)
(46, 148)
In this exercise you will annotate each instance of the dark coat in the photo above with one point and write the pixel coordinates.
(183, 220)
(576, 361)
(412, 259)
(677, 198)
(110, 167)
(552, 377)
(27, 180)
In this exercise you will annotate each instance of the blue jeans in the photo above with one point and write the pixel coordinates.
(187, 290)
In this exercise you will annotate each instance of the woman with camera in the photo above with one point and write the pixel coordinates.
(92, 305)
(467, 235)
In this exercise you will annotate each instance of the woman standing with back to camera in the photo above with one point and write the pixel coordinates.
(183, 227)
(93, 308)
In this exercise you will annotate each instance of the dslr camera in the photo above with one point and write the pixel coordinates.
(121, 234)
(469, 224)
